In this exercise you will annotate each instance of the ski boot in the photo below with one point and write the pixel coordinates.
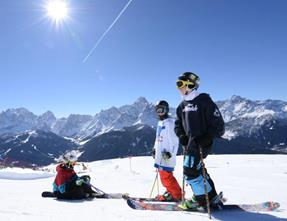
(216, 202)
(191, 204)
(167, 197)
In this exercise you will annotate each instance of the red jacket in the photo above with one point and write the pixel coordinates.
(64, 175)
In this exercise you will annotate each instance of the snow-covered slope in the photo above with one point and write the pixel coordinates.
(243, 178)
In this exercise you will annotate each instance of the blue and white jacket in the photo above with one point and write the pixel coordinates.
(166, 140)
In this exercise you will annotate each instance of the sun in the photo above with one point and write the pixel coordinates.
(57, 10)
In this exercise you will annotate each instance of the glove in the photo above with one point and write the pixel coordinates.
(166, 155)
(204, 140)
(183, 140)
(153, 153)
(86, 178)
(79, 182)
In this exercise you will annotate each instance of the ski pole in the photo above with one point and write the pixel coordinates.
(157, 185)
(97, 189)
(204, 181)
(183, 177)
(155, 180)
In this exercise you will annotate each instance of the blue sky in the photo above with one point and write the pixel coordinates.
(235, 46)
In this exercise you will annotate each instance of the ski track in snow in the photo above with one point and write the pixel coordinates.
(242, 178)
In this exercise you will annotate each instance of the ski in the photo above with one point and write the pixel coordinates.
(48, 194)
(153, 199)
(147, 199)
(172, 206)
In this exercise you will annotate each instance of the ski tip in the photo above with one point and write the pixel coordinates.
(131, 203)
(125, 196)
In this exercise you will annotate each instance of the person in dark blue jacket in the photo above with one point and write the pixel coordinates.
(198, 122)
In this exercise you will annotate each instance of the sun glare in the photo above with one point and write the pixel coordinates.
(57, 10)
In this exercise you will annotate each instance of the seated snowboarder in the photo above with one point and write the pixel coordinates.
(68, 185)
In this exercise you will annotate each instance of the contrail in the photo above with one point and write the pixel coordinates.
(106, 32)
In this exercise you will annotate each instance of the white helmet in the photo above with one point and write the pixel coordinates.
(69, 158)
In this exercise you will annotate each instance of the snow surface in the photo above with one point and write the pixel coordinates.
(242, 178)
(23, 174)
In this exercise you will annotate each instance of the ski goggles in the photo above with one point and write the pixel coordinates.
(182, 83)
(70, 164)
(160, 109)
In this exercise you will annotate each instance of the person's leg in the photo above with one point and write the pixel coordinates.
(171, 184)
(193, 174)
(76, 192)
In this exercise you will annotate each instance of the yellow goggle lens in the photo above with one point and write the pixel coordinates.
(181, 83)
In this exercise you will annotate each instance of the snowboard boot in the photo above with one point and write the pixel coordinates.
(96, 195)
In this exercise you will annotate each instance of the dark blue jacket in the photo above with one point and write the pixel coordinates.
(197, 117)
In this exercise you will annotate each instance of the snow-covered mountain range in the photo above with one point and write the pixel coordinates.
(32, 148)
(236, 110)
(251, 127)
(249, 115)
(81, 127)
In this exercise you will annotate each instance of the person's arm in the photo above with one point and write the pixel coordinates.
(178, 128)
(173, 139)
(215, 127)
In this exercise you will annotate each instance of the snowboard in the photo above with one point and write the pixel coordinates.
(48, 194)
(172, 206)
